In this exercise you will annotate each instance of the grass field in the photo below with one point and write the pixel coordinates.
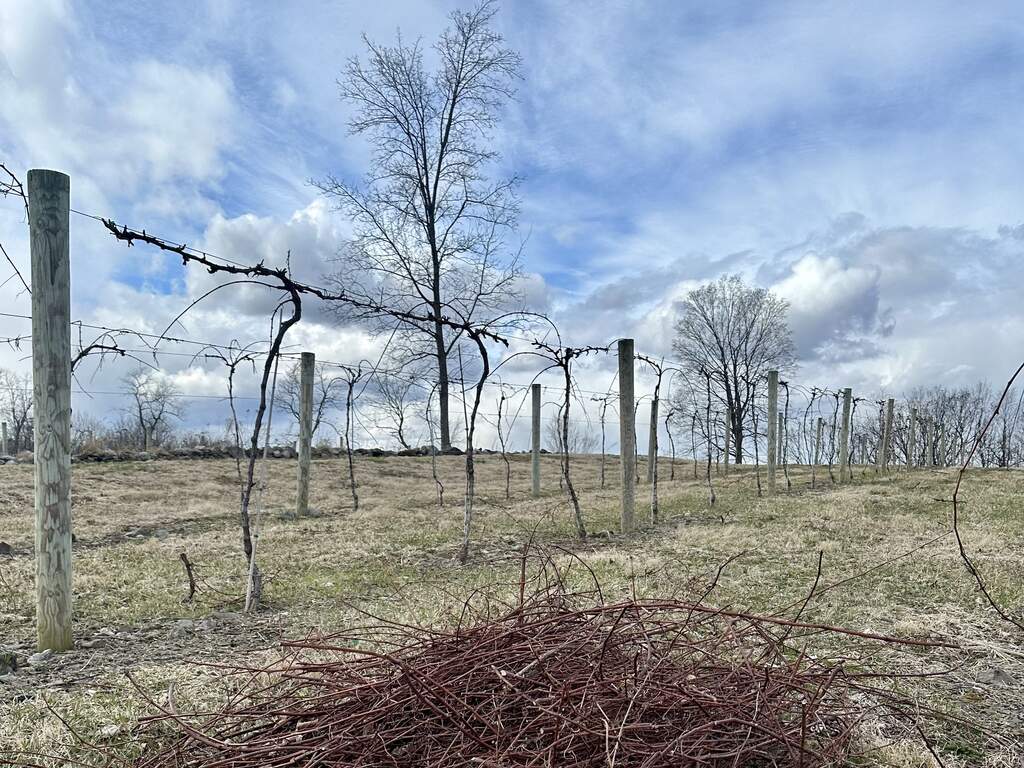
(395, 557)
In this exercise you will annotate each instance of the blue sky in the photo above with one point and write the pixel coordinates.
(862, 159)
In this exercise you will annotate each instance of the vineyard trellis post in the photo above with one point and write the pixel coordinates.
(780, 442)
(886, 447)
(535, 445)
(911, 438)
(817, 451)
(773, 427)
(627, 433)
(845, 470)
(652, 442)
(49, 197)
(307, 364)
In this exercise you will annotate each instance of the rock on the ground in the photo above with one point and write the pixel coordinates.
(38, 659)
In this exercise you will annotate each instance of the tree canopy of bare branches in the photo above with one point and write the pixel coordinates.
(430, 226)
(16, 407)
(328, 392)
(734, 334)
(156, 402)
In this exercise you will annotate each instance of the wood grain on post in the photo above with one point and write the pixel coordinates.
(49, 195)
(627, 434)
(307, 364)
(535, 439)
(652, 442)
(3, 437)
(780, 436)
(773, 427)
(845, 470)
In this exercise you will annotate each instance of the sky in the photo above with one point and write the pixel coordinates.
(862, 160)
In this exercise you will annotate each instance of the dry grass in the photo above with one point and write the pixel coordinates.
(394, 557)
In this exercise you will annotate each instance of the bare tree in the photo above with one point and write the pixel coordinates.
(16, 407)
(396, 395)
(734, 334)
(156, 402)
(429, 224)
(328, 392)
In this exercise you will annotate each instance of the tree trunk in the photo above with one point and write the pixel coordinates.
(736, 423)
(442, 381)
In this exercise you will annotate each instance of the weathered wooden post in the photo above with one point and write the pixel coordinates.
(817, 452)
(773, 427)
(912, 439)
(49, 197)
(940, 459)
(307, 363)
(3, 437)
(535, 439)
(780, 451)
(627, 434)
(845, 470)
(652, 442)
(885, 449)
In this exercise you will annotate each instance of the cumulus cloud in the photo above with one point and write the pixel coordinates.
(829, 301)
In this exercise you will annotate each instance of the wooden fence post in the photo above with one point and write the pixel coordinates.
(912, 439)
(627, 433)
(652, 442)
(49, 197)
(845, 470)
(885, 452)
(535, 439)
(780, 450)
(307, 364)
(3, 445)
(773, 427)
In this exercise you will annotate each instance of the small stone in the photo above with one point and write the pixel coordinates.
(996, 676)
(8, 662)
(6, 549)
(110, 731)
(182, 628)
(37, 659)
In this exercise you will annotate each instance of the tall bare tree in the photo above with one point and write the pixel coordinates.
(734, 334)
(429, 222)
(328, 392)
(156, 402)
(16, 407)
(397, 393)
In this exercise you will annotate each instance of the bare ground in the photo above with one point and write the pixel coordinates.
(394, 557)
